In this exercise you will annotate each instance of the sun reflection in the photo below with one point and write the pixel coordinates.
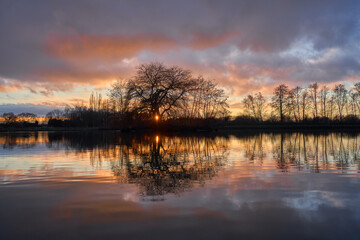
(157, 139)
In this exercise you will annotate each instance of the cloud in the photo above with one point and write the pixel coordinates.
(38, 109)
(51, 48)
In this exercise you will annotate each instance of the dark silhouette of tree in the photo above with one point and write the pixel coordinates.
(9, 117)
(304, 102)
(26, 117)
(205, 100)
(340, 98)
(56, 114)
(324, 93)
(119, 98)
(255, 106)
(158, 89)
(279, 100)
(296, 92)
(314, 97)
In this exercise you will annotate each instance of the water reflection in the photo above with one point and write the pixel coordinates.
(312, 152)
(109, 185)
(166, 159)
(157, 164)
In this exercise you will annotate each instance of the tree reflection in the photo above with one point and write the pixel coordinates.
(157, 164)
(20, 139)
(161, 164)
(313, 152)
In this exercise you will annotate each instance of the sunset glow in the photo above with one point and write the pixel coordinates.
(52, 56)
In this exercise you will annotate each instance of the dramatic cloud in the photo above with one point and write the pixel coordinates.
(50, 48)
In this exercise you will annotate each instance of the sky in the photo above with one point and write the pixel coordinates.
(56, 52)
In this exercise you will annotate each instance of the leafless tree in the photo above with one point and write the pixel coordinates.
(324, 94)
(56, 114)
(260, 103)
(314, 96)
(255, 105)
(157, 89)
(119, 97)
(304, 102)
(279, 100)
(297, 102)
(340, 98)
(9, 117)
(357, 95)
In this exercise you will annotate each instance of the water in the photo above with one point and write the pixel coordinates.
(104, 185)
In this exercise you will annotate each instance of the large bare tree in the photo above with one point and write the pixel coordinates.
(157, 89)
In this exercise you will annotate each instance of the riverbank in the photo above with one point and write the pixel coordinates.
(267, 127)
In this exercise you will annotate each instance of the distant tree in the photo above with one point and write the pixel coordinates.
(27, 117)
(254, 106)
(353, 100)
(314, 96)
(57, 114)
(304, 102)
(340, 98)
(119, 97)
(260, 103)
(324, 94)
(9, 117)
(290, 105)
(279, 100)
(357, 95)
(249, 105)
(297, 102)
(206, 99)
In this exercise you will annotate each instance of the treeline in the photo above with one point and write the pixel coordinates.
(299, 105)
(156, 95)
(25, 119)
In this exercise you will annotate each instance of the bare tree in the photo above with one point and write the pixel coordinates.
(9, 117)
(314, 96)
(297, 101)
(357, 95)
(249, 105)
(27, 117)
(168, 92)
(353, 99)
(119, 97)
(340, 98)
(56, 114)
(279, 99)
(204, 100)
(157, 89)
(304, 102)
(255, 105)
(260, 102)
(291, 105)
(324, 92)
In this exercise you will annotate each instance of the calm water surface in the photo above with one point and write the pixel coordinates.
(103, 185)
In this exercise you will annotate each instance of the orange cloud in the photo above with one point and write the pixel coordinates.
(80, 47)
(112, 47)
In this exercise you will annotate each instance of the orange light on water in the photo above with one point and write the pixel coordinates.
(157, 139)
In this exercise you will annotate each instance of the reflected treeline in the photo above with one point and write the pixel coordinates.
(22, 139)
(314, 152)
(158, 164)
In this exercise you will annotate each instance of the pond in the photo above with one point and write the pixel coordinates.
(107, 185)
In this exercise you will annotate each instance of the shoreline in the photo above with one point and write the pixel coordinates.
(286, 127)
